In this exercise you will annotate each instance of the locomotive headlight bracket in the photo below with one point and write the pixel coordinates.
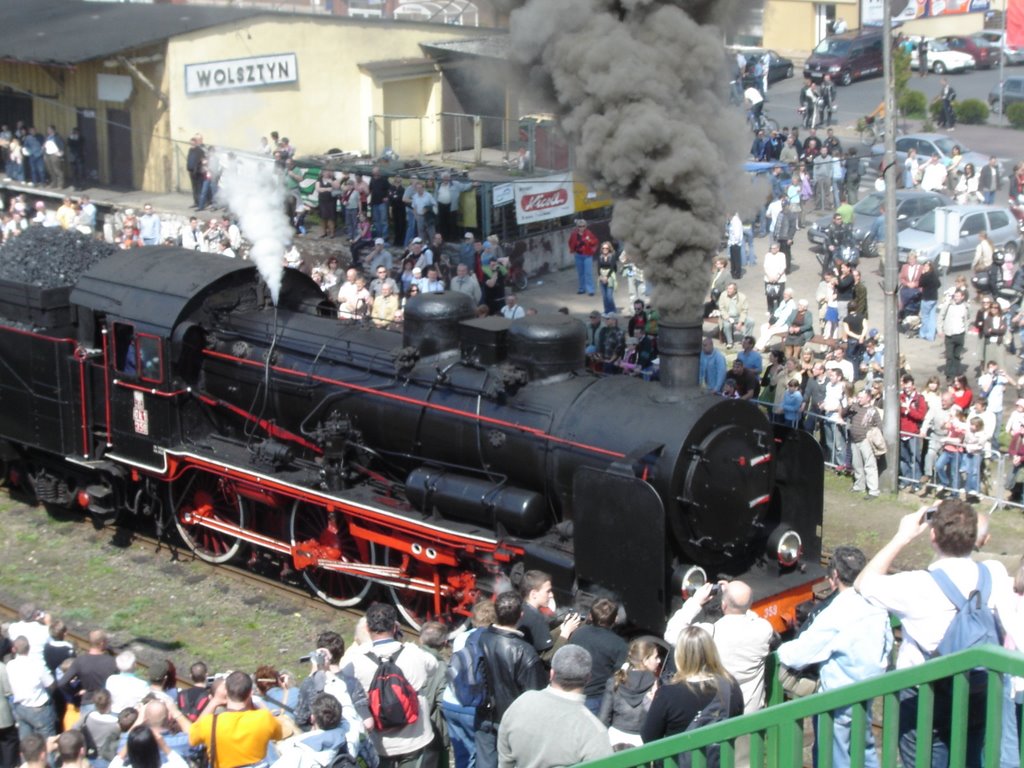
(785, 545)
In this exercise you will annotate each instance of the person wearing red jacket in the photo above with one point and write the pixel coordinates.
(583, 245)
(913, 409)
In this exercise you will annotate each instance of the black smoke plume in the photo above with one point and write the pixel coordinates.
(640, 87)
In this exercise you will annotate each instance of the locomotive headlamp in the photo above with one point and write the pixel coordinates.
(690, 578)
(785, 545)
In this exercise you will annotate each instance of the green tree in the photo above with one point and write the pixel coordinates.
(901, 72)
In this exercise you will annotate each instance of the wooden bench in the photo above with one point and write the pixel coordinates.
(820, 345)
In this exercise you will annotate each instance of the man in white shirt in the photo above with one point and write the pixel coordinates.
(126, 688)
(31, 683)
(734, 237)
(34, 626)
(925, 613)
(512, 310)
(933, 175)
(192, 236)
(953, 327)
(403, 745)
(774, 276)
(743, 638)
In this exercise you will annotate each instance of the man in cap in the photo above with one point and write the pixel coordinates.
(467, 251)
(525, 735)
(378, 257)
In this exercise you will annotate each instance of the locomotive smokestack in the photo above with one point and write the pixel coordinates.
(679, 343)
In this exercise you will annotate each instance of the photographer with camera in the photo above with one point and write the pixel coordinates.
(607, 649)
(240, 734)
(325, 668)
(743, 638)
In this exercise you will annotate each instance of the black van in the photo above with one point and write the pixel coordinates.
(846, 57)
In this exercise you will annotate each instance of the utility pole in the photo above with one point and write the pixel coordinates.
(890, 295)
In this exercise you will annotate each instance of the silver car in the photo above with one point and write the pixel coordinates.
(926, 144)
(949, 235)
(910, 204)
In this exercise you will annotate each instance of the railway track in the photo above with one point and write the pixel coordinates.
(258, 573)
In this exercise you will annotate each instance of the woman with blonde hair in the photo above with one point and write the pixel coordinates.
(629, 692)
(700, 679)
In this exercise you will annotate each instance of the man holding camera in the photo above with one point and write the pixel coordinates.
(743, 638)
(241, 734)
(325, 666)
(538, 597)
(925, 613)
(850, 639)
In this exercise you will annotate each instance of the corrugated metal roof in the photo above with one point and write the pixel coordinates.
(491, 47)
(66, 32)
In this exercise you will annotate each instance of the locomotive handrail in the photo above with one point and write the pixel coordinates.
(777, 732)
(539, 433)
(151, 390)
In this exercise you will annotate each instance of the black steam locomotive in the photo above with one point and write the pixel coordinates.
(434, 463)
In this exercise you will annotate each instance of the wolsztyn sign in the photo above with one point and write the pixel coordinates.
(254, 72)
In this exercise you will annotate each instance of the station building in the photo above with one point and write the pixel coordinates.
(140, 80)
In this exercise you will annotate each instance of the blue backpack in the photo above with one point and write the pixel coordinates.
(974, 623)
(467, 672)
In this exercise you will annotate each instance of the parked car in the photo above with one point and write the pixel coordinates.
(954, 230)
(941, 59)
(1013, 93)
(779, 67)
(985, 54)
(1013, 55)
(926, 144)
(846, 57)
(910, 204)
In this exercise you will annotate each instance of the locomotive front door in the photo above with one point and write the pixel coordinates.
(140, 407)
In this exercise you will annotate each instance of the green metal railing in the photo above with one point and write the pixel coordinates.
(776, 733)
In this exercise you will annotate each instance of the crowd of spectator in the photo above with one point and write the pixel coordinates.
(44, 159)
(816, 363)
(540, 665)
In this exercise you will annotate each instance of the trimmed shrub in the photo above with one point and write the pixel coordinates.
(934, 110)
(1015, 114)
(913, 104)
(971, 112)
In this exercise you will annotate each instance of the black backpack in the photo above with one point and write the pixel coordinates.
(715, 711)
(394, 703)
(342, 759)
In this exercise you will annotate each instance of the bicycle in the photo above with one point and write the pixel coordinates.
(872, 132)
(516, 278)
(761, 123)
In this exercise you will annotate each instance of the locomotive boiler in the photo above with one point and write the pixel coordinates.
(432, 464)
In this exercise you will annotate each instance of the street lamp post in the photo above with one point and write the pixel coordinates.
(890, 295)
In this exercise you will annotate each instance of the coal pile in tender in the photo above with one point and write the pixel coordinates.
(50, 257)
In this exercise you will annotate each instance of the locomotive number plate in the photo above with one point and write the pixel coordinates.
(140, 416)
